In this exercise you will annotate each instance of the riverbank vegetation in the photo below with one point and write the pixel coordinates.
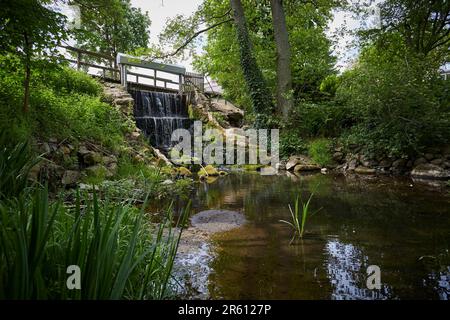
(391, 102)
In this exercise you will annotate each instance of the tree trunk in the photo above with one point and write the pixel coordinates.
(26, 83)
(284, 76)
(259, 93)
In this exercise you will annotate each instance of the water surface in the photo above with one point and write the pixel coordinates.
(396, 224)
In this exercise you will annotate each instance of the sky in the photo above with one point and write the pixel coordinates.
(161, 10)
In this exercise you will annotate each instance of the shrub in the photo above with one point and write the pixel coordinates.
(320, 151)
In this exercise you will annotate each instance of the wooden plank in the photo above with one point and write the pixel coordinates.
(90, 53)
(136, 62)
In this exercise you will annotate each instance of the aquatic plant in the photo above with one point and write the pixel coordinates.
(120, 254)
(299, 216)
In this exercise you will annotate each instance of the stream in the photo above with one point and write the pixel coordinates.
(400, 226)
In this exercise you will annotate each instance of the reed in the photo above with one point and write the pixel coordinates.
(299, 216)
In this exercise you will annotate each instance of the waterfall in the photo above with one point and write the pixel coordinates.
(158, 114)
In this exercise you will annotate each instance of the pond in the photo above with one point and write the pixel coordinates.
(398, 225)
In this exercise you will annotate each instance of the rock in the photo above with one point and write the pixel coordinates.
(268, 171)
(124, 102)
(420, 161)
(138, 159)
(232, 114)
(295, 160)
(98, 171)
(70, 177)
(324, 170)
(212, 221)
(429, 156)
(365, 170)
(162, 157)
(83, 186)
(306, 167)
(437, 162)
(35, 171)
(184, 172)
(430, 171)
(209, 170)
(385, 163)
(92, 158)
(399, 163)
(82, 150)
(352, 165)
(107, 160)
(446, 165)
(281, 166)
(112, 168)
(223, 173)
(53, 140)
(65, 150)
(409, 164)
(338, 156)
(167, 182)
(45, 148)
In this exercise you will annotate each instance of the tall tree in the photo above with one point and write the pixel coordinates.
(424, 24)
(260, 94)
(29, 29)
(112, 26)
(284, 76)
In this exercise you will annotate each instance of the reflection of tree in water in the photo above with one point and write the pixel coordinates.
(346, 268)
(441, 283)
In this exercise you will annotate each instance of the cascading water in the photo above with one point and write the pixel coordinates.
(158, 114)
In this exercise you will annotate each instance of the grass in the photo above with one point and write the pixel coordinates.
(299, 216)
(319, 151)
(120, 253)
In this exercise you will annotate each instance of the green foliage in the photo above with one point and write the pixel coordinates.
(15, 164)
(398, 102)
(291, 143)
(320, 151)
(112, 244)
(28, 28)
(121, 254)
(299, 216)
(65, 104)
(311, 58)
(112, 26)
(329, 85)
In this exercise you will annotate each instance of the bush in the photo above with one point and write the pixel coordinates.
(399, 103)
(64, 104)
(320, 151)
(291, 143)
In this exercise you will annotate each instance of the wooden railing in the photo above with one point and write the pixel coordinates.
(95, 60)
(135, 71)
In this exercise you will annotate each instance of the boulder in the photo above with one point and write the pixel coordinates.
(399, 163)
(306, 167)
(92, 158)
(167, 182)
(296, 160)
(209, 170)
(437, 162)
(98, 171)
(184, 172)
(420, 161)
(352, 165)
(70, 177)
(365, 170)
(232, 114)
(338, 156)
(385, 163)
(430, 171)
(429, 156)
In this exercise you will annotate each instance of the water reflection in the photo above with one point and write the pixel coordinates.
(346, 266)
(382, 221)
